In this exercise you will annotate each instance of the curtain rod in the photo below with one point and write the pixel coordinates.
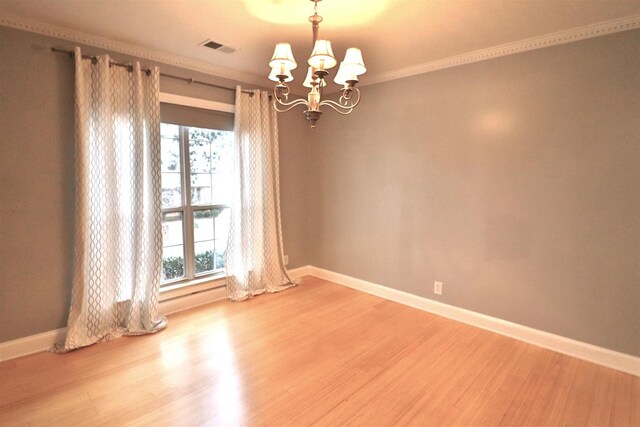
(147, 71)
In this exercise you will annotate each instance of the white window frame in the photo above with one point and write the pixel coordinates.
(180, 287)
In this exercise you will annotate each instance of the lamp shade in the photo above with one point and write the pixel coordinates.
(309, 79)
(344, 73)
(283, 57)
(322, 56)
(353, 61)
(275, 71)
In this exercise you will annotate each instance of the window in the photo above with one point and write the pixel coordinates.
(196, 173)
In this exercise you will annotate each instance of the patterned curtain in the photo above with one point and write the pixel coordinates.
(118, 235)
(254, 259)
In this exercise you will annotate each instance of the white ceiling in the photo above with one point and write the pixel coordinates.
(393, 34)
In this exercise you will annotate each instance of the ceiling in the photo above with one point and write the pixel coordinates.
(393, 34)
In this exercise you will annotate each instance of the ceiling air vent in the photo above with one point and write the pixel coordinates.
(217, 46)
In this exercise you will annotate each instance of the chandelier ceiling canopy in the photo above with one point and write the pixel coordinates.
(319, 63)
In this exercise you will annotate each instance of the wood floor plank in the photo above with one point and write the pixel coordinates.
(318, 354)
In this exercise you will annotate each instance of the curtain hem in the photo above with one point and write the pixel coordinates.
(63, 347)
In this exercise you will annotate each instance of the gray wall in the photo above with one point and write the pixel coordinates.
(515, 181)
(36, 178)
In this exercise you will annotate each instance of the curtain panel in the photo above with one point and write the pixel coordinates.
(118, 234)
(254, 259)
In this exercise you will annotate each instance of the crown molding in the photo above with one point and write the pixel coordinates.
(548, 40)
(24, 24)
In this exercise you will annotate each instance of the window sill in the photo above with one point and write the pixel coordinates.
(192, 286)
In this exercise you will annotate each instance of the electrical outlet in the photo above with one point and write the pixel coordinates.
(437, 288)
(286, 260)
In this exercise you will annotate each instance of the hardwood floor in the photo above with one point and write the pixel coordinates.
(318, 354)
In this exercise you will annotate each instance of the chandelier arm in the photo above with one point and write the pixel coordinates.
(341, 109)
(343, 100)
(280, 92)
(288, 105)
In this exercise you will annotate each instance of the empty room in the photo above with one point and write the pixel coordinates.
(320, 212)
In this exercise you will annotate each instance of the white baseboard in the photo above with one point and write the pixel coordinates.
(44, 341)
(602, 356)
(31, 344)
(296, 273)
(188, 301)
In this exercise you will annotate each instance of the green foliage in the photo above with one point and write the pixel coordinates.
(205, 261)
(206, 153)
(173, 267)
(208, 213)
(201, 151)
(204, 135)
(174, 158)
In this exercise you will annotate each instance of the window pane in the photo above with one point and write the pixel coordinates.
(170, 154)
(210, 231)
(211, 164)
(171, 190)
(169, 131)
(172, 263)
(204, 256)
(199, 155)
(170, 166)
(203, 225)
(221, 189)
(172, 229)
(201, 189)
(207, 165)
(221, 235)
(221, 167)
(222, 153)
(173, 247)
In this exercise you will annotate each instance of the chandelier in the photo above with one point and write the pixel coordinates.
(320, 61)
